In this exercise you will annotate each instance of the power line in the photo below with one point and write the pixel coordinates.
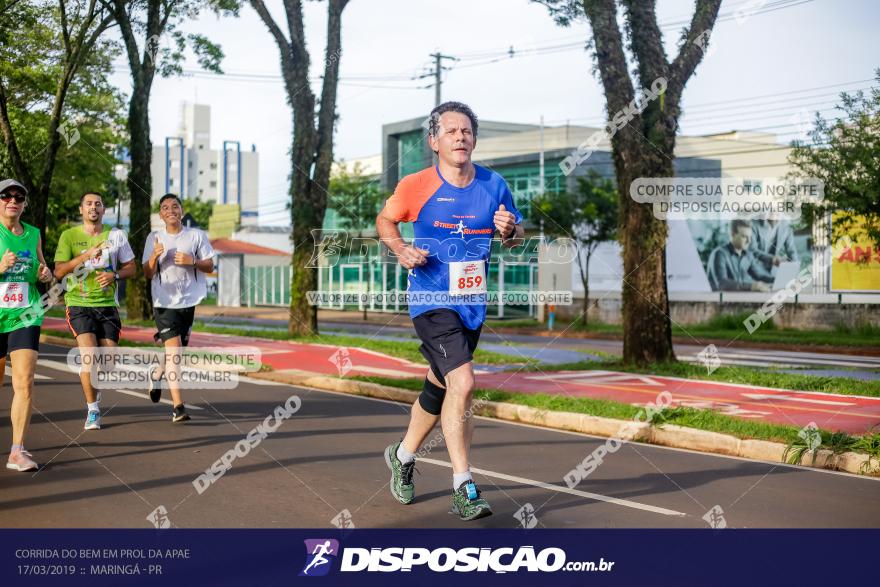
(498, 56)
(511, 53)
(601, 119)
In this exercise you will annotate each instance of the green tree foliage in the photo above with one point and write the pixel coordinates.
(844, 154)
(357, 200)
(588, 216)
(311, 150)
(34, 64)
(200, 210)
(630, 53)
(154, 44)
(355, 197)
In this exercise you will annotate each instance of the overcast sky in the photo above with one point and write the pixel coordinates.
(761, 71)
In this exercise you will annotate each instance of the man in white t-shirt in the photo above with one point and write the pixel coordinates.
(176, 260)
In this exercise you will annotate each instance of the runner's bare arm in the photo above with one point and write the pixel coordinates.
(7, 261)
(152, 264)
(43, 274)
(516, 238)
(205, 265)
(127, 270)
(389, 233)
(62, 268)
(505, 222)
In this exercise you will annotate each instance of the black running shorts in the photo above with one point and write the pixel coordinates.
(22, 338)
(171, 322)
(446, 343)
(102, 321)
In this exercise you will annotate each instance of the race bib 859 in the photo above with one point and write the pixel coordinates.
(467, 278)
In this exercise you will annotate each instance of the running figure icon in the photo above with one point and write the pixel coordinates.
(319, 552)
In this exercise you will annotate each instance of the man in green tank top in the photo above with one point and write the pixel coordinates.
(91, 312)
(21, 266)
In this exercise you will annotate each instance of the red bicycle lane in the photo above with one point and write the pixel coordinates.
(850, 413)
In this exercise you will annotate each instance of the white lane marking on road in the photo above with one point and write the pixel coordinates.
(833, 361)
(36, 375)
(63, 367)
(744, 363)
(755, 362)
(788, 398)
(258, 381)
(561, 489)
(599, 377)
(163, 400)
(58, 365)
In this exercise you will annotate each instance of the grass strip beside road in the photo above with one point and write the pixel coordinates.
(724, 327)
(408, 350)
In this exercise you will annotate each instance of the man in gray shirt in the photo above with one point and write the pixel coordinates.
(733, 267)
(773, 242)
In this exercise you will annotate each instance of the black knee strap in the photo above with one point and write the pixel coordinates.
(431, 398)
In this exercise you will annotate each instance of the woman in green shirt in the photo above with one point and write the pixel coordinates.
(21, 266)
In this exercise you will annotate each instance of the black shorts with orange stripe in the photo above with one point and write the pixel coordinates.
(102, 321)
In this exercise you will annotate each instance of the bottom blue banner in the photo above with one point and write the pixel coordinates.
(365, 557)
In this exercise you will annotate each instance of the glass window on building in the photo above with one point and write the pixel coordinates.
(525, 181)
(410, 153)
(752, 186)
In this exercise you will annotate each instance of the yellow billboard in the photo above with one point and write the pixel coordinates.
(855, 262)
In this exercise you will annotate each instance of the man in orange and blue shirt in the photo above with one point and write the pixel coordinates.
(455, 207)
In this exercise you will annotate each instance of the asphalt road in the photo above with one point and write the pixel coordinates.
(326, 458)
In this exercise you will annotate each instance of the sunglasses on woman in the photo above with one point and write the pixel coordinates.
(17, 197)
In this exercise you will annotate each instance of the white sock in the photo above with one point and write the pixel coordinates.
(93, 407)
(459, 478)
(404, 455)
(16, 447)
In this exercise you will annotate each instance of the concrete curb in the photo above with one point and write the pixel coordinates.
(667, 435)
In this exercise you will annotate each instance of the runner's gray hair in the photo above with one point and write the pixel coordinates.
(434, 119)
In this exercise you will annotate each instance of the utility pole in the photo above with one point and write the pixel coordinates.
(543, 187)
(437, 74)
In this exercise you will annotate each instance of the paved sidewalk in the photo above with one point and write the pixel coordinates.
(853, 414)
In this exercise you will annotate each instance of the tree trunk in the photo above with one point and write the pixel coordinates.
(647, 333)
(369, 280)
(137, 296)
(644, 147)
(584, 272)
(311, 152)
(585, 280)
(303, 315)
(40, 196)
